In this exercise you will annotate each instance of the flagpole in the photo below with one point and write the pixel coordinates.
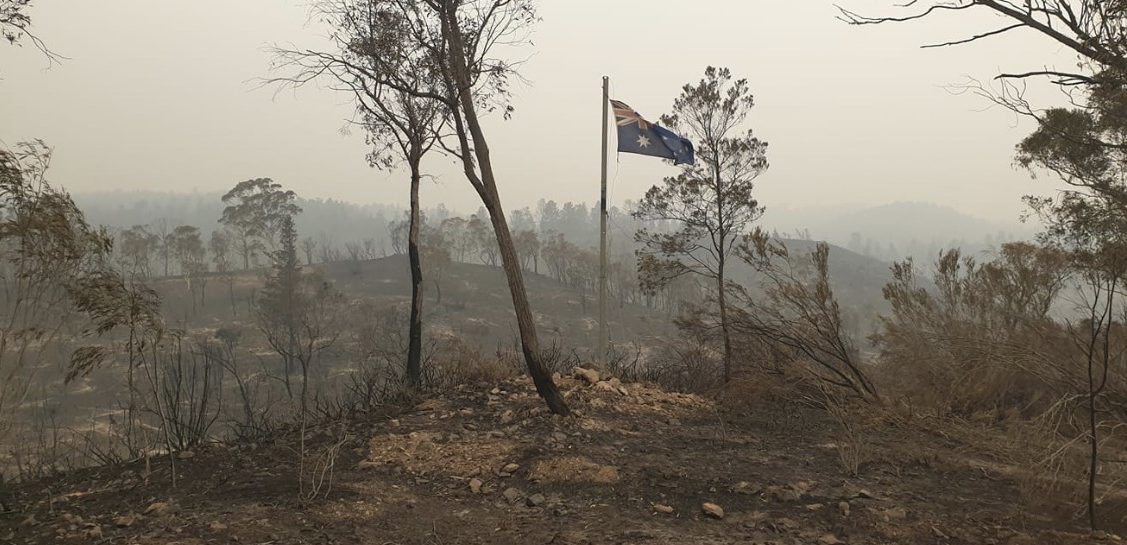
(603, 348)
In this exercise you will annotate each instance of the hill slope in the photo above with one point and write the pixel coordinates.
(485, 464)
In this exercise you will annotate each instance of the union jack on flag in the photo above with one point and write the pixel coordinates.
(636, 135)
(625, 115)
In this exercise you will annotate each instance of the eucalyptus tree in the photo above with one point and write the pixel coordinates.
(1083, 143)
(15, 26)
(137, 246)
(220, 247)
(255, 212)
(710, 203)
(447, 52)
(48, 254)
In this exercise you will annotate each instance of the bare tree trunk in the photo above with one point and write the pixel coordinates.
(722, 300)
(415, 335)
(231, 293)
(721, 253)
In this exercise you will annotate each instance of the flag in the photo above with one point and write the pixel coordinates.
(636, 135)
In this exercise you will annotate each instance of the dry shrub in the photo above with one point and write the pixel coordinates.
(459, 363)
(980, 340)
(855, 423)
(797, 318)
(689, 363)
(1053, 453)
(980, 348)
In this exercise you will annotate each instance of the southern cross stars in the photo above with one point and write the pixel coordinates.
(643, 141)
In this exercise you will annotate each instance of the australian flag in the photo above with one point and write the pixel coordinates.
(636, 135)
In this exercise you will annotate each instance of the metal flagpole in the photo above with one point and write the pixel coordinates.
(603, 348)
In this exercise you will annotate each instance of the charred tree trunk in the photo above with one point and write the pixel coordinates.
(530, 344)
(415, 335)
(486, 186)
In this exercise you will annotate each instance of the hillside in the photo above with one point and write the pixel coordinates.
(486, 464)
(472, 301)
(901, 229)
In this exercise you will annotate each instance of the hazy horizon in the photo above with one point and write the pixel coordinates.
(158, 107)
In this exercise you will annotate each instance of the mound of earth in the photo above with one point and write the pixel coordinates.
(487, 464)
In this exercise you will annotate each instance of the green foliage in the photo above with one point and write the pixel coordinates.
(14, 20)
(710, 203)
(49, 257)
(254, 214)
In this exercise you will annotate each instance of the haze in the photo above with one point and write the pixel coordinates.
(164, 96)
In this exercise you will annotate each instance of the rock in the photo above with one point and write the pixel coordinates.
(536, 500)
(29, 521)
(185, 454)
(712, 510)
(612, 387)
(814, 507)
(217, 526)
(368, 464)
(125, 521)
(507, 417)
(93, 532)
(843, 508)
(865, 495)
(829, 539)
(511, 494)
(895, 513)
(157, 508)
(674, 422)
(782, 494)
(508, 470)
(589, 375)
(475, 485)
(662, 508)
(560, 437)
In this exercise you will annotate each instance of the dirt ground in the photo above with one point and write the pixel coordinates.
(487, 464)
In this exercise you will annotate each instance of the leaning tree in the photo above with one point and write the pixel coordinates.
(447, 52)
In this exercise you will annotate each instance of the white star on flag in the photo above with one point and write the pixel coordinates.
(643, 141)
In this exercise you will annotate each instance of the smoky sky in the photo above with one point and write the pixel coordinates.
(165, 96)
